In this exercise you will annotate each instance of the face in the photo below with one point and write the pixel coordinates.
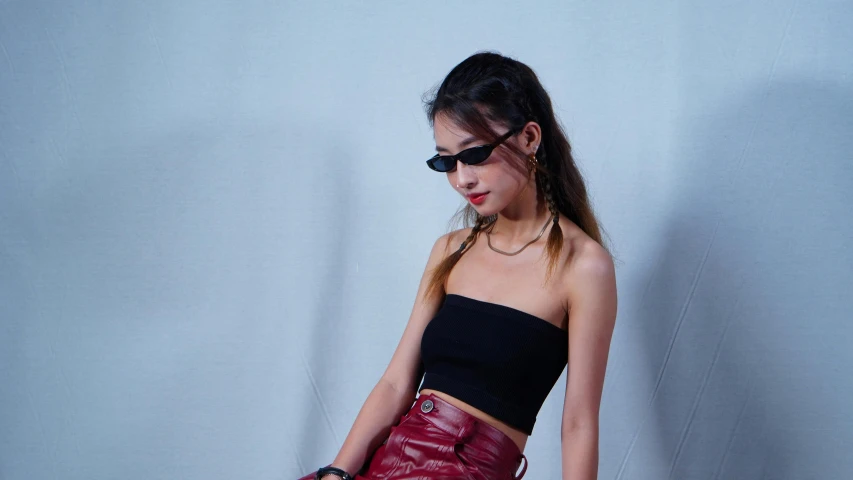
(493, 184)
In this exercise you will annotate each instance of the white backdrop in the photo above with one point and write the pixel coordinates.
(214, 215)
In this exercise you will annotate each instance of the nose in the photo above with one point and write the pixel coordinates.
(465, 176)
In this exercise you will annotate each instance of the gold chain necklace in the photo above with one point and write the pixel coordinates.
(489, 240)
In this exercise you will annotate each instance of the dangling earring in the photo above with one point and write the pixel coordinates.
(531, 163)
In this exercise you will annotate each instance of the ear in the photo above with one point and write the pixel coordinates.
(530, 136)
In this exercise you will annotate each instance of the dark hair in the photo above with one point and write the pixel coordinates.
(488, 86)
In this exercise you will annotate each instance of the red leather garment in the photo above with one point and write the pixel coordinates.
(435, 440)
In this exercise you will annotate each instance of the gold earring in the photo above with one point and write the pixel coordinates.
(532, 161)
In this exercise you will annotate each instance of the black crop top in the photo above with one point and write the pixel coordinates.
(496, 358)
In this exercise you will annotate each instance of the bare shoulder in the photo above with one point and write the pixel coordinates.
(589, 258)
(460, 233)
(589, 264)
(443, 247)
(449, 242)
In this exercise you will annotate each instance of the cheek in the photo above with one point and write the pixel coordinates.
(451, 178)
(507, 178)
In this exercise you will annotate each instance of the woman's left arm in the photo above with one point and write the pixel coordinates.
(591, 284)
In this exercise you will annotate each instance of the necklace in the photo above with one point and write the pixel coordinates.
(489, 240)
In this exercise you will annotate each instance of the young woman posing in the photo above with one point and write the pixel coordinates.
(495, 322)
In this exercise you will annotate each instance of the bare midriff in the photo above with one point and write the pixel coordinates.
(517, 436)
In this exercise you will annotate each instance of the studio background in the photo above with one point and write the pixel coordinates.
(214, 216)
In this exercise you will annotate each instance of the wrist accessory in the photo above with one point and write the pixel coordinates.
(334, 471)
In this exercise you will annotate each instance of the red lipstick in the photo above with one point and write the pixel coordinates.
(477, 198)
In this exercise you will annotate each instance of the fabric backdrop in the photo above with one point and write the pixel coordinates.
(214, 215)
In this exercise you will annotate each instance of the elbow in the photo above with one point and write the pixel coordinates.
(392, 385)
(401, 391)
(579, 425)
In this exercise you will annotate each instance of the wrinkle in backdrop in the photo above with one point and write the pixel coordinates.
(214, 216)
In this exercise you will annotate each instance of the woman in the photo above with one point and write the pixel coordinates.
(495, 323)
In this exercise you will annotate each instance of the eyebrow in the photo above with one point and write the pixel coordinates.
(463, 144)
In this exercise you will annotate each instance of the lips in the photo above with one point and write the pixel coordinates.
(477, 198)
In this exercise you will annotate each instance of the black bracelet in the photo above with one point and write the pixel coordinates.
(334, 471)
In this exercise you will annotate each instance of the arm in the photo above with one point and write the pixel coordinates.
(395, 391)
(592, 292)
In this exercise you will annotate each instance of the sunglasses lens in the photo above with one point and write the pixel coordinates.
(475, 155)
(441, 164)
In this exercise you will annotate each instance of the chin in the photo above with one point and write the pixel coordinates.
(484, 210)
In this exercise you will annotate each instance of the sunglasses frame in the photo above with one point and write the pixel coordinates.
(488, 148)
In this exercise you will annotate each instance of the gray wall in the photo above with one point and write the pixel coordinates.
(213, 219)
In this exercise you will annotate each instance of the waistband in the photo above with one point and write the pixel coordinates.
(470, 430)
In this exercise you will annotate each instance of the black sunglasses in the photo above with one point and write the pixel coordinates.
(469, 156)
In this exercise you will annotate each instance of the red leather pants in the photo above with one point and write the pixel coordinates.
(436, 440)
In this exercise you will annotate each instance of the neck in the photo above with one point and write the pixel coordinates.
(522, 219)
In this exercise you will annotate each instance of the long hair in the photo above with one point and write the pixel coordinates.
(488, 86)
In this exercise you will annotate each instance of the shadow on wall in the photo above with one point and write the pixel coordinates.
(168, 265)
(320, 353)
(746, 319)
